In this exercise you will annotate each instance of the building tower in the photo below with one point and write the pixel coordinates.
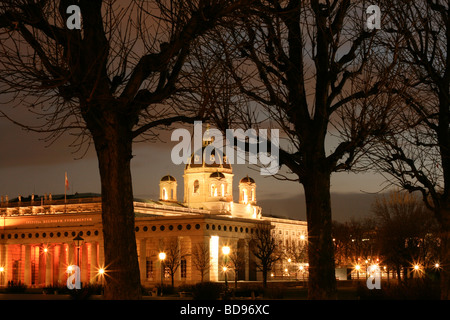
(208, 179)
(168, 188)
(247, 191)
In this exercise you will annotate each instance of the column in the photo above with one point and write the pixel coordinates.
(48, 267)
(3, 264)
(55, 260)
(84, 263)
(247, 261)
(213, 243)
(94, 263)
(142, 258)
(27, 266)
(71, 256)
(101, 254)
(62, 263)
(177, 275)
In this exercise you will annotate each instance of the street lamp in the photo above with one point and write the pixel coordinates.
(302, 270)
(357, 268)
(162, 257)
(101, 274)
(78, 241)
(226, 251)
(2, 270)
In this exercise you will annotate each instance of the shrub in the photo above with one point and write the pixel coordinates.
(274, 292)
(412, 289)
(86, 291)
(207, 291)
(167, 289)
(16, 287)
(246, 290)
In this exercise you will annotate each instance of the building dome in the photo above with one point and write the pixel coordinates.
(247, 179)
(217, 160)
(247, 189)
(168, 178)
(168, 188)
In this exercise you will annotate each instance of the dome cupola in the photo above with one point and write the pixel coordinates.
(168, 188)
(247, 188)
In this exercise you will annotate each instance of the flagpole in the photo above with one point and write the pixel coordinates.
(65, 188)
(65, 192)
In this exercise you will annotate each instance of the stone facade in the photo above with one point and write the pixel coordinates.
(37, 233)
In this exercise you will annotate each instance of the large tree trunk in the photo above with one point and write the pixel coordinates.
(322, 279)
(445, 255)
(114, 151)
(265, 271)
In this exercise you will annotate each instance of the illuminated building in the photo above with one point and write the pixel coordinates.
(37, 233)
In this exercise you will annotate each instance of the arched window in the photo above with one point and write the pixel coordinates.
(244, 196)
(252, 195)
(164, 194)
(213, 190)
(196, 186)
(223, 190)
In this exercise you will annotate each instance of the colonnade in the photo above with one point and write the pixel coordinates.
(43, 264)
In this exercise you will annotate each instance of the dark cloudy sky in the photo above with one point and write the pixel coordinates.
(29, 165)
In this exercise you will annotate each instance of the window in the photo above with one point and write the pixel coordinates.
(223, 190)
(196, 186)
(244, 196)
(183, 268)
(164, 194)
(213, 190)
(149, 269)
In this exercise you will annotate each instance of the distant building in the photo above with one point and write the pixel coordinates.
(37, 233)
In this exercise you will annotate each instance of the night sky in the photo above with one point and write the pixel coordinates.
(30, 165)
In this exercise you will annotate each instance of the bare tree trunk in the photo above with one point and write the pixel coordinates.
(264, 275)
(445, 254)
(114, 155)
(322, 279)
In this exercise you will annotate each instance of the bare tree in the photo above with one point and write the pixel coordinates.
(355, 241)
(407, 232)
(313, 70)
(201, 259)
(108, 83)
(416, 153)
(297, 251)
(265, 246)
(174, 255)
(237, 259)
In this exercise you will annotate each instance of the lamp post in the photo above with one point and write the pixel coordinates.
(226, 252)
(2, 271)
(302, 270)
(357, 268)
(162, 257)
(78, 241)
(101, 274)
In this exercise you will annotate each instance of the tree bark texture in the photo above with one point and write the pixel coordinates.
(322, 279)
(114, 151)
